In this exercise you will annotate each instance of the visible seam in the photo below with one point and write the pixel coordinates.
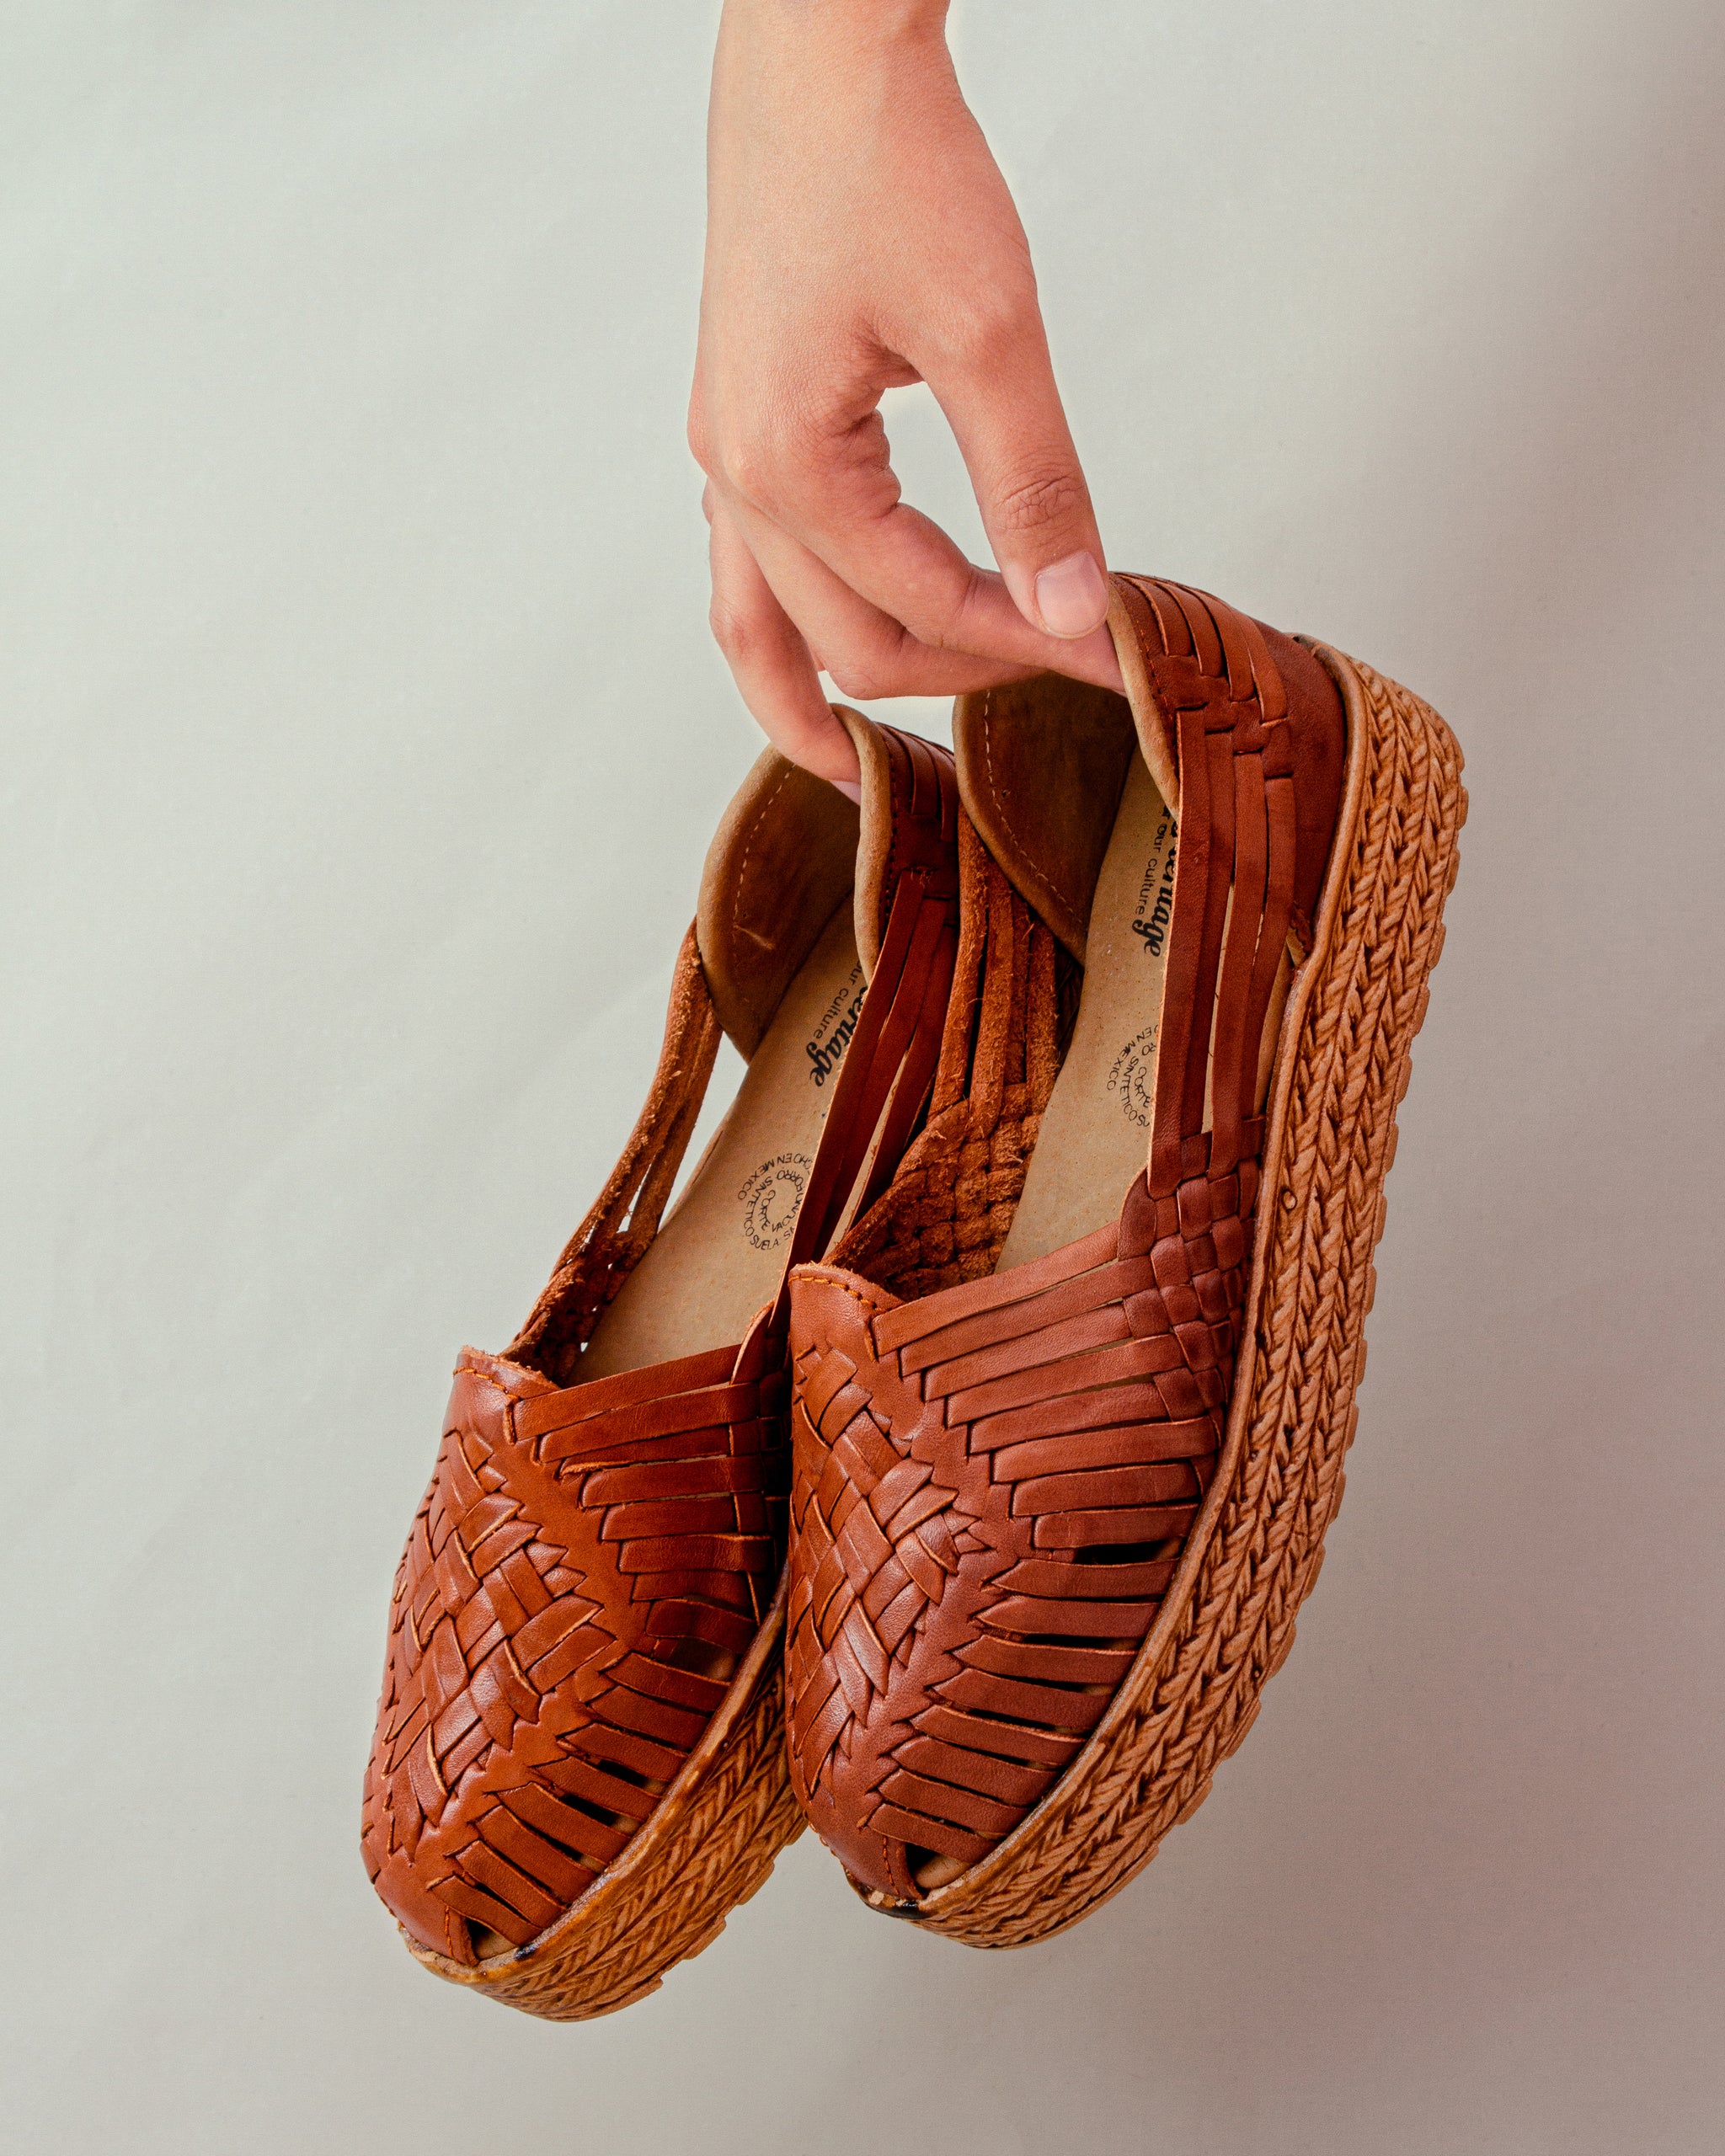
(755, 827)
(865, 1303)
(888, 880)
(998, 795)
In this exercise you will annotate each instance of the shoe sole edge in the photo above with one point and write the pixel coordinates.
(1228, 1623)
(708, 1847)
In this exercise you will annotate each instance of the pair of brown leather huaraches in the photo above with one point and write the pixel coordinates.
(947, 1467)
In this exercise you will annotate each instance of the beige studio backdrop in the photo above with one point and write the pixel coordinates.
(362, 740)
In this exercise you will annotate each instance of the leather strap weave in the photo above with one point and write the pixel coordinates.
(1234, 866)
(625, 1216)
(572, 1547)
(889, 1066)
(591, 1561)
(993, 1483)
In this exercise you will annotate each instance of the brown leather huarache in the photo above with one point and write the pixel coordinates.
(1070, 1400)
(578, 1766)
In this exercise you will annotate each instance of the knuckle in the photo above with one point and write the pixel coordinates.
(961, 623)
(937, 616)
(743, 451)
(700, 436)
(752, 467)
(871, 666)
(851, 680)
(991, 325)
(1038, 497)
(734, 633)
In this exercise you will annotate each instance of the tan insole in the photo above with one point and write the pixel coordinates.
(1095, 1134)
(719, 1254)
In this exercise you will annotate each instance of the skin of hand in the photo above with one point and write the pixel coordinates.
(860, 238)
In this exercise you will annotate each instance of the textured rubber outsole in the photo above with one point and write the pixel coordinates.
(709, 1845)
(1227, 1623)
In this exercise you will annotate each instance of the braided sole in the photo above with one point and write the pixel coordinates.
(709, 1845)
(1227, 1624)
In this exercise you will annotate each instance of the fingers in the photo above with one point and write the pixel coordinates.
(864, 652)
(827, 483)
(770, 662)
(1004, 408)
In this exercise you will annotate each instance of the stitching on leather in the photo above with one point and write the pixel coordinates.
(755, 829)
(863, 1302)
(1024, 854)
(889, 882)
(484, 1377)
(866, 1305)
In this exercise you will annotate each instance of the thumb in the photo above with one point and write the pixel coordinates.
(1012, 430)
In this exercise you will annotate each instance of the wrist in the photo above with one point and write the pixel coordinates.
(883, 22)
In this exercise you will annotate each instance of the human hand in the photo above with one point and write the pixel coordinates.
(860, 238)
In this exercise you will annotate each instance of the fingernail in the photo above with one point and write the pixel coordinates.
(1073, 597)
(850, 788)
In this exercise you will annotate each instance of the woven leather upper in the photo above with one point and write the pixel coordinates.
(577, 1550)
(994, 1482)
(592, 1560)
